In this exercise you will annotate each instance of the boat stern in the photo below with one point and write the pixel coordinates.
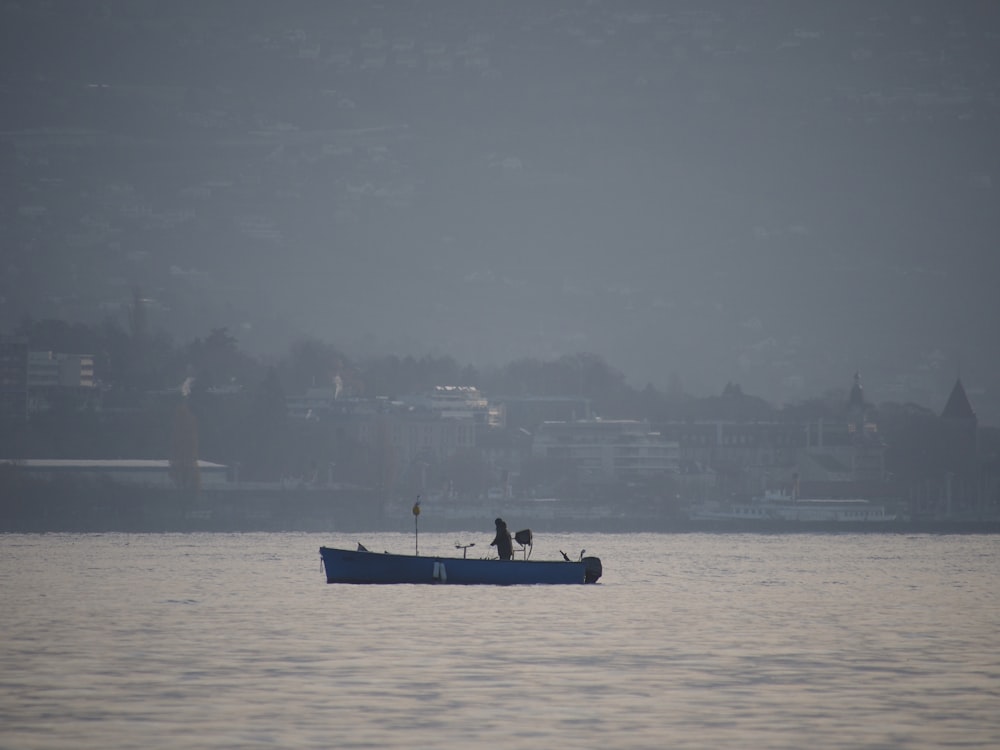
(592, 569)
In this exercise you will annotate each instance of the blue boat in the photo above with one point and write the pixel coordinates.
(362, 566)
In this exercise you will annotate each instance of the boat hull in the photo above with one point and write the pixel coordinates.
(359, 566)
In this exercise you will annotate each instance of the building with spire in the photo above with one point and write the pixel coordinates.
(959, 409)
(844, 458)
(959, 449)
(857, 409)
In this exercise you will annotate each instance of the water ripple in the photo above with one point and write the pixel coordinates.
(690, 641)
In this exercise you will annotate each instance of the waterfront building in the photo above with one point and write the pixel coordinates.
(959, 451)
(145, 473)
(53, 375)
(607, 450)
(58, 370)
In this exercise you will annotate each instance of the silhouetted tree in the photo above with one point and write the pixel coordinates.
(311, 363)
(57, 335)
(733, 405)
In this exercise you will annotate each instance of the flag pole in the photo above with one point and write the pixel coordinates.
(416, 529)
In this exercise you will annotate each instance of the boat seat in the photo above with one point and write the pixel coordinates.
(525, 539)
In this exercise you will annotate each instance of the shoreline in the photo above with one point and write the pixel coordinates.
(227, 524)
(105, 507)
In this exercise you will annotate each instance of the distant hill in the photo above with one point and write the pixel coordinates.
(777, 193)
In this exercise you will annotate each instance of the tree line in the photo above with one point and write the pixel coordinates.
(238, 400)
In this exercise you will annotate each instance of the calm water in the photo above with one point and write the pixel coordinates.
(690, 641)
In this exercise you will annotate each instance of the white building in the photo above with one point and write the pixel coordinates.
(55, 369)
(603, 450)
(453, 401)
(415, 435)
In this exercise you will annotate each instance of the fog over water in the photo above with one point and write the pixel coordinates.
(776, 193)
(688, 641)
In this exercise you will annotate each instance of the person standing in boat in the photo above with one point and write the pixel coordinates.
(505, 547)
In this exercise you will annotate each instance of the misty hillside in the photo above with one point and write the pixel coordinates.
(772, 193)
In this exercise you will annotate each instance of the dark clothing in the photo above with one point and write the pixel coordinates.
(505, 548)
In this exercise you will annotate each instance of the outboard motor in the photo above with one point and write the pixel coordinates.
(592, 569)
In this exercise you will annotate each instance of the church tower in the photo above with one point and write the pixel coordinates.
(868, 460)
(857, 412)
(960, 430)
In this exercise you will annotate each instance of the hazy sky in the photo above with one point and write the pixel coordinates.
(771, 193)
